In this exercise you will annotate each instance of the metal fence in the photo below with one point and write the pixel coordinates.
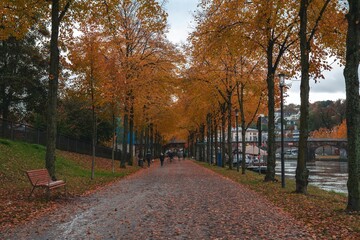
(26, 133)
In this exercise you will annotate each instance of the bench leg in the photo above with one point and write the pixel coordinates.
(32, 190)
(47, 194)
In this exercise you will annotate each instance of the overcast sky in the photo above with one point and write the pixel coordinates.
(181, 23)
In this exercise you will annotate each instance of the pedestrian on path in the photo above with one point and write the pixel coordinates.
(171, 155)
(162, 158)
(148, 158)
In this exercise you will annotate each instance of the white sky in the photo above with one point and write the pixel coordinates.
(181, 24)
(180, 19)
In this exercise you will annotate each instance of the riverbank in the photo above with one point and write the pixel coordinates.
(330, 158)
(321, 210)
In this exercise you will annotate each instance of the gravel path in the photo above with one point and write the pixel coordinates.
(180, 200)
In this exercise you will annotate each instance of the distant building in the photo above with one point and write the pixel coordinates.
(251, 134)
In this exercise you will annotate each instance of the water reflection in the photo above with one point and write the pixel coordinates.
(328, 175)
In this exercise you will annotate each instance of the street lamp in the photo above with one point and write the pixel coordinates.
(282, 84)
(237, 138)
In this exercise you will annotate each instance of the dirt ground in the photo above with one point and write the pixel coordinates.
(180, 200)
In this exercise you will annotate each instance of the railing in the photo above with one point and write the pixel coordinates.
(26, 133)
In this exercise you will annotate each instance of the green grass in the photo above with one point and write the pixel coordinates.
(18, 157)
(5, 142)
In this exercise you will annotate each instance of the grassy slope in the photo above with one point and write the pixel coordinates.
(320, 210)
(18, 157)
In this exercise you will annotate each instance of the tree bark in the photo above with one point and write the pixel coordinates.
(124, 141)
(352, 104)
(202, 147)
(270, 173)
(223, 143)
(113, 143)
(131, 130)
(93, 136)
(53, 90)
(216, 142)
(208, 146)
(302, 173)
(229, 135)
(243, 126)
(152, 139)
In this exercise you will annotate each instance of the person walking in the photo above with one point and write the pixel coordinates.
(171, 155)
(148, 158)
(162, 158)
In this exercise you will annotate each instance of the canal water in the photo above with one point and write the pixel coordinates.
(327, 175)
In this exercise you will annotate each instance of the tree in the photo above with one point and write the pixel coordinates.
(251, 102)
(274, 23)
(18, 17)
(88, 63)
(326, 114)
(307, 35)
(137, 27)
(351, 75)
(336, 132)
(22, 73)
(51, 130)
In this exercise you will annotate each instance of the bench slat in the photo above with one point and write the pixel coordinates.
(41, 178)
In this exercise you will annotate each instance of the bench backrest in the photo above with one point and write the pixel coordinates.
(38, 176)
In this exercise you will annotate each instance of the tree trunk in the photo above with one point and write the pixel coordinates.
(113, 143)
(53, 90)
(196, 144)
(240, 92)
(152, 139)
(147, 138)
(92, 89)
(124, 141)
(223, 141)
(93, 138)
(352, 104)
(131, 130)
(270, 173)
(216, 143)
(142, 148)
(229, 135)
(208, 146)
(202, 147)
(212, 143)
(243, 148)
(5, 114)
(302, 173)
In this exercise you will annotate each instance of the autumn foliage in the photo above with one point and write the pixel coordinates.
(336, 132)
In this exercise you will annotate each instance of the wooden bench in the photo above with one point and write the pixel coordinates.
(40, 178)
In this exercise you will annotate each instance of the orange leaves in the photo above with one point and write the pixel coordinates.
(320, 211)
(337, 132)
(16, 17)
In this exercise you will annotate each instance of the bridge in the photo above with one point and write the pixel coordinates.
(313, 144)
